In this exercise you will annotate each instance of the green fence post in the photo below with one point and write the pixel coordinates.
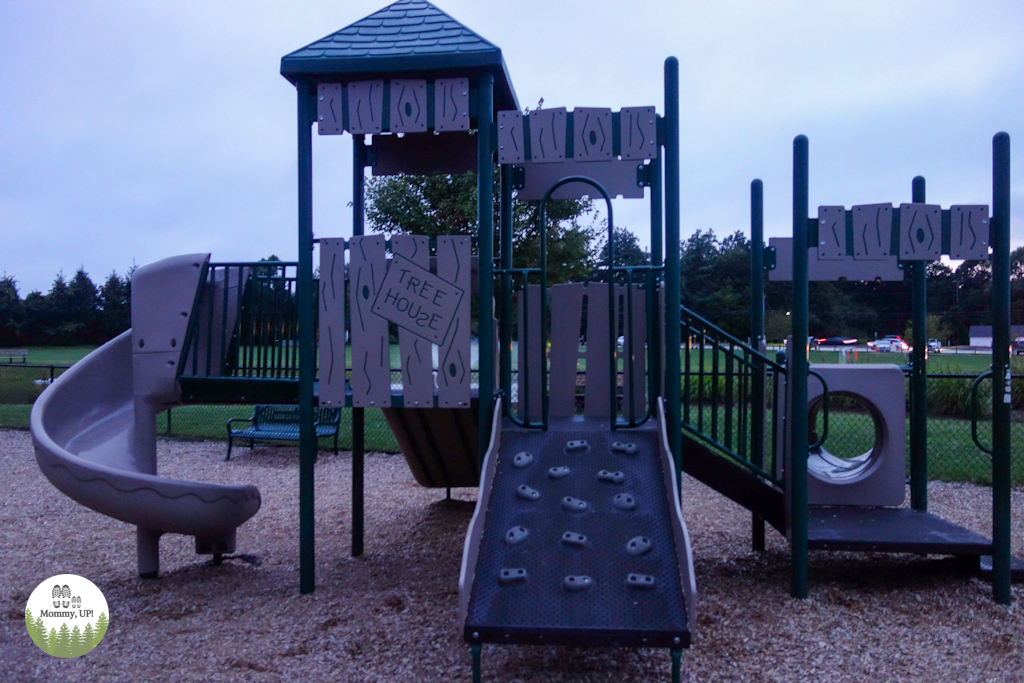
(757, 408)
(919, 375)
(506, 287)
(798, 367)
(307, 354)
(358, 414)
(672, 293)
(1001, 395)
(485, 251)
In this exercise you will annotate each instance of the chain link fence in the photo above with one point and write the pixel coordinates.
(952, 452)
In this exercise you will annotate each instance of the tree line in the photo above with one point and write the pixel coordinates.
(73, 312)
(715, 274)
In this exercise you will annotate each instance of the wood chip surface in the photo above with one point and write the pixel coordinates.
(392, 614)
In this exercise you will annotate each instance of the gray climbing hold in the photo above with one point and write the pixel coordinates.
(578, 446)
(559, 472)
(514, 575)
(516, 534)
(526, 493)
(624, 501)
(640, 581)
(638, 545)
(574, 504)
(577, 583)
(623, 447)
(522, 459)
(616, 477)
(574, 539)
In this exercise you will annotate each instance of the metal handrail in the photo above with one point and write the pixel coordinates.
(975, 412)
(824, 411)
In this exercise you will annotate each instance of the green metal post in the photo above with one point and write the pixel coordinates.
(798, 367)
(358, 414)
(506, 286)
(672, 294)
(757, 408)
(1000, 241)
(307, 354)
(919, 375)
(485, 249)
(654, 373)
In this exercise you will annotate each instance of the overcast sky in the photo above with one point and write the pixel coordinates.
(132, 130)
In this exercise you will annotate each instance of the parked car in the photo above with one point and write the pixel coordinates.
(1018, 346)
(934, 345)
(812, 342)
(892, 343)
(837, 341)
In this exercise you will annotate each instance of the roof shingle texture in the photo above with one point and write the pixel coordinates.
(406, 27)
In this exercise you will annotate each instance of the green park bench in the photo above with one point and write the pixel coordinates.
(281, 423)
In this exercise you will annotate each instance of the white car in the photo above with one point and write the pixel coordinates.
(893, 344)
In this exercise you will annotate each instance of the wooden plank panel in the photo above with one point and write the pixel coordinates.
(529, 354)
(453, 371)
(332, 322)
(567, 300)
(371, 353)
(634, 368)
(596, 393)
(415, 352)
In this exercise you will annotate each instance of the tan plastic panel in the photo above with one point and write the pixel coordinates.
(920, 232)
(453, 372)
(365, 107)
(415, 352)
(638, 133)
(831, 233)
(451, 104)
(408, 105)
(511, 148)
(547, 135)
(969, 232)
(592, 128)
(332, 322)
(329, 117)
(872, 232)
(371, 352)
(564, 355)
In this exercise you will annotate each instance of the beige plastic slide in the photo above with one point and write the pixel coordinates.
(94, 428)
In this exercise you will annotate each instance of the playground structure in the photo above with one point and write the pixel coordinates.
(578, 536)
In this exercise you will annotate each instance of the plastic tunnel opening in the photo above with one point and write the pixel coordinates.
(856, 436)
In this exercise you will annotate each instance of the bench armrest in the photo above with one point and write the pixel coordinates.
(239, 419)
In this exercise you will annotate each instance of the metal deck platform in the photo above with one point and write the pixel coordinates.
(891, 530)
(578, 544)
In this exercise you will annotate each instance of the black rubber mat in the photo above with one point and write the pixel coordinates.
(894, 530)
(562, 548)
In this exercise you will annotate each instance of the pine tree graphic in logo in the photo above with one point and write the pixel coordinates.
(77, 621)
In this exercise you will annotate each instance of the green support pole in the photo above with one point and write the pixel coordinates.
(1000, 241)
(672, 294)
(485, 250)
(307, 354)
(919, 375)
(505, 296)
(657, 206)
(358, 414)
(798, 367)
(757, 408)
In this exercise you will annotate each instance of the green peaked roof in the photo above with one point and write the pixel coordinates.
(408, 36)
